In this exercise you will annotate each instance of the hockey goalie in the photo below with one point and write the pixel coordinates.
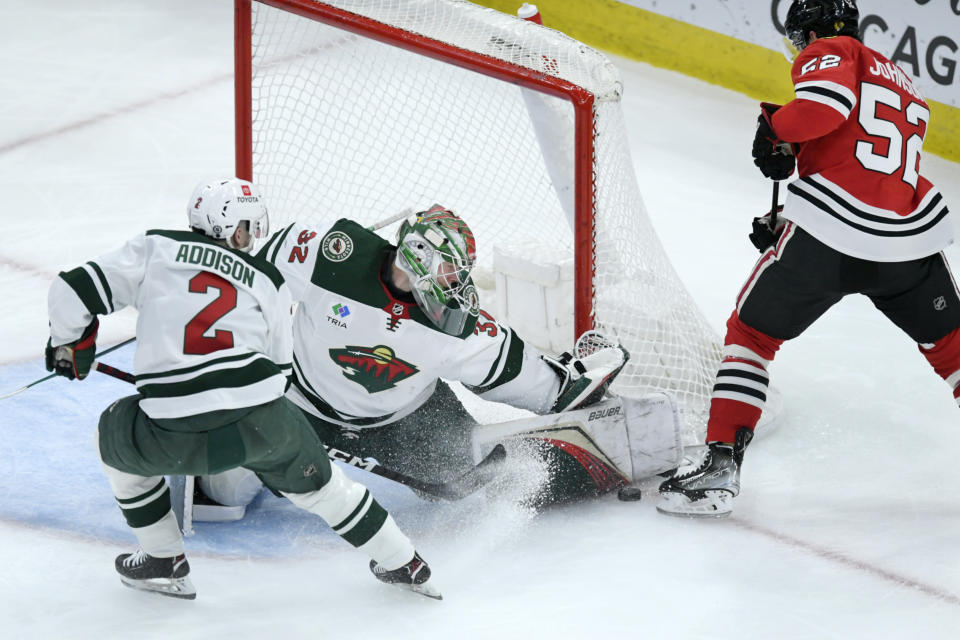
(379, 329)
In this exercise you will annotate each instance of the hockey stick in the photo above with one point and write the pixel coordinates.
(97, 365)
(388, 221)
(773, 207)
(115, 373)
(455, 489)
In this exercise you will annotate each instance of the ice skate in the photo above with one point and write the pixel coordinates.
(166, 576)
(414, 576)
(707, 486)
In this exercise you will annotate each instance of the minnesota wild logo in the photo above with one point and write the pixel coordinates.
(374, 368)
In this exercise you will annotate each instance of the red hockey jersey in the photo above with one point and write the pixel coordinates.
(860, 122)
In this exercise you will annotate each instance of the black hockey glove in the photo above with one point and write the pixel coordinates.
(763, 235)
(73, 360)
(773, 156)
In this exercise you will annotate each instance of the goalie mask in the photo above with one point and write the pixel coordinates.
(219, 207)
(436, 250)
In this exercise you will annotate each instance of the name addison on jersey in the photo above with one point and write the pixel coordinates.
(217, 260)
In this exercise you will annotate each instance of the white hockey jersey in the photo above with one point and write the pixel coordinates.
(364, 357)
(214, 329)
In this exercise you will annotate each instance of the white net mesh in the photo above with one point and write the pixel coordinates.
(346, 126)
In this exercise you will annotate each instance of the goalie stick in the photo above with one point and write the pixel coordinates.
(388, 221)
(455, 489)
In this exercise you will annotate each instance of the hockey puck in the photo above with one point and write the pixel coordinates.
(629, 494)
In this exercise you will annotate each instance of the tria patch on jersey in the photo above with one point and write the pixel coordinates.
(340, 311)
(336, 246)
(374, 368)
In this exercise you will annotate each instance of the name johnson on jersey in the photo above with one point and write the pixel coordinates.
(859, 123)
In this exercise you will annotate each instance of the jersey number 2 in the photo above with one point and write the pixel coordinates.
(871, 96)
(194, 342)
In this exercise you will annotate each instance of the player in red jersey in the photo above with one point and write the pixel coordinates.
(858, 219)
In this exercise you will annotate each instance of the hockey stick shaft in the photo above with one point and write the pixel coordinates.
(455, 489)
(776, 203)
(53, 375)
(114, 372)
(388, 221)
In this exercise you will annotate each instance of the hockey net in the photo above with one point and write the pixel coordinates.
(362, 108)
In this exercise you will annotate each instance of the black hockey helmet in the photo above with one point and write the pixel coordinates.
(825, 18)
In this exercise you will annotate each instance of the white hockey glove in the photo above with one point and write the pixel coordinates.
(586, 375)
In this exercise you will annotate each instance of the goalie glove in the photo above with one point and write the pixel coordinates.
(585, 376)
(773, 156)
(74, 359)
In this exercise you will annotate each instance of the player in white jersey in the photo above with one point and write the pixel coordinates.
(380, 327)
(214, 345)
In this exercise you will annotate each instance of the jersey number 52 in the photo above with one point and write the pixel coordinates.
(872, 96)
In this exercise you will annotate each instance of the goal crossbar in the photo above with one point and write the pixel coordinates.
(581, 99)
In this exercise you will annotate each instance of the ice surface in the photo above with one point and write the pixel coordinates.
(847, 526)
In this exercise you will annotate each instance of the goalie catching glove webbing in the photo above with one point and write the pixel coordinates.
(586, 374)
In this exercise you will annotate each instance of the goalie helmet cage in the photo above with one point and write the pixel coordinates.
(361, 108)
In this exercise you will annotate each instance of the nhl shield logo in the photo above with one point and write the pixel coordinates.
(336, 246)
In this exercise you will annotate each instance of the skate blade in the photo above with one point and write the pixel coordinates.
(173, 587)
(425, 589)
(716, 504)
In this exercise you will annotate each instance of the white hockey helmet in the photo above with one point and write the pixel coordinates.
(219, 206)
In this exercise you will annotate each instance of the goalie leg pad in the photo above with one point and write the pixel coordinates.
(223, 497)
(591, 451)
(576, 472)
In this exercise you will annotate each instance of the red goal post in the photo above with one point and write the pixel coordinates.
(360, 108)
(581, 99)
